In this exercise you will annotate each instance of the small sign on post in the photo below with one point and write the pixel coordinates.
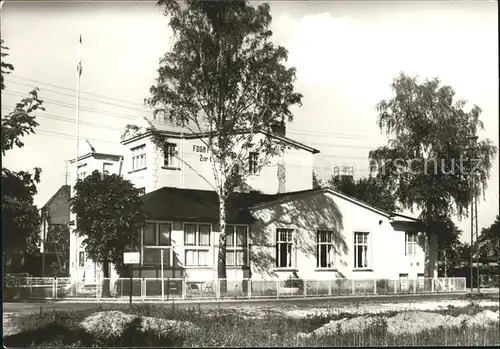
(131, 258)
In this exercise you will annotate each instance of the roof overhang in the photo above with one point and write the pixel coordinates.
(197, 135)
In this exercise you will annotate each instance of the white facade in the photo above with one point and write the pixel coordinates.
(81, 267)
(191, 167)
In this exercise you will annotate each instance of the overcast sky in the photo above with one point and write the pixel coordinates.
(346, 55)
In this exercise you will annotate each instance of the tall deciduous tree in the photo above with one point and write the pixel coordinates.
(109, 216)
(20, 217)
(367, 189)
(426, 163)
(317, 182)
(489, 240)
(225, 79)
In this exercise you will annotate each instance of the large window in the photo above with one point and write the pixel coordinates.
(82, 172)
(253, 162)
(237, 245)
(284, 248)
(361, 249)
(169, 155)
(157, 238)
(325, 253)
(411, 241)
(106, 168)
(139, 157)
(197, 244)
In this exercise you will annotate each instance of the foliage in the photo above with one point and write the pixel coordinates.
(368, 189)
(226, 328)
(109, 215)
(489, 240)
(317, 182)
(226, 81)
(424, 116)
(294, 281)
(20, 217)
(426, 162)
(58, 237)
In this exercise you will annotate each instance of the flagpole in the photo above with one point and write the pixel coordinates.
(77, 141)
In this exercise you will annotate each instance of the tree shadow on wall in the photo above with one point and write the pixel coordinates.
(306, 215)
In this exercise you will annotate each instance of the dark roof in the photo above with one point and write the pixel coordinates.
(62, 188)
(194, 205)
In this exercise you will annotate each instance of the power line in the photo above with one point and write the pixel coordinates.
(292, 131)
(67, 105)
(74, 90)
(86, 98)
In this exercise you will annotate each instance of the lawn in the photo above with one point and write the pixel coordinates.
(229, 328)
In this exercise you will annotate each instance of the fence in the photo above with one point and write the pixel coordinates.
(185, 289)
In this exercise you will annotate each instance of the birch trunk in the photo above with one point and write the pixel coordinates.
(432, 256)
(105, 282)
(221, 262)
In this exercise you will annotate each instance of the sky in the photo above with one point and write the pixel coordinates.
(346, 55)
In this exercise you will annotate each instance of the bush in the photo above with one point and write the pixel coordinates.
(294, 281)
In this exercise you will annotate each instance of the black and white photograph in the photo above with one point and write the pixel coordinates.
(237, 173)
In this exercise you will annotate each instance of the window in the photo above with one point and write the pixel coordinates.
(139, 157)
(197, 242)
(325, 253)
(411, 240)
(284, 248)
(237, 245)
(82, 172)
(142, 191)
(157, 240)
(360, 250)
(81, 259)
(106, 168)
(169, 153)
(253, 162)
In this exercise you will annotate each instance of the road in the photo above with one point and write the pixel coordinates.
(28, 307)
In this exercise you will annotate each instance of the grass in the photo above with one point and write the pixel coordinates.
(227, 328)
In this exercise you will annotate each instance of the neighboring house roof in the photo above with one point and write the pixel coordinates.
(174, 131)
(65, 187)
(170, 203)
(351, 199)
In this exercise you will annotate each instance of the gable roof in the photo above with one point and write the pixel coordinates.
(174, 131)
(61, 189)
(194, 205)
(349, 198)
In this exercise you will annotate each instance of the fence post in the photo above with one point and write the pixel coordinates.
(54, 289)
(217, 288)
(249, 288)
(414, 286)
(374, 286)
(183, 288)
(330, 288)
(449, 285)
(432, 285)
(163, 287)
(143, 288)
(353, 285)
(304, 284)
(278, 288)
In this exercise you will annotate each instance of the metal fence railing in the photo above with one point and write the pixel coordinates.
(186, 289)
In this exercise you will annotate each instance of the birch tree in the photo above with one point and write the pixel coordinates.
(226, 80)
(430, 161)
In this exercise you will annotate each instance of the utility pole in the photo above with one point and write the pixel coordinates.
(474, 227)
